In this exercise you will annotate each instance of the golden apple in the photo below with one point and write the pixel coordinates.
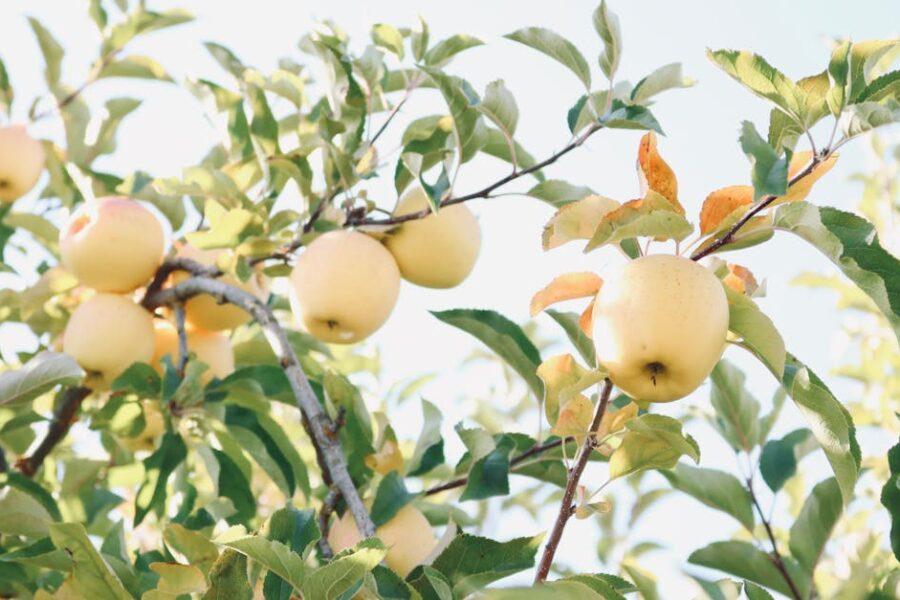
(660, 326)
(21, 162)
(438, 251)
(154, 426)
(344, 287)
(107, 333)
(204, 311)
(112, 245)
(407, 536)
(211, 347)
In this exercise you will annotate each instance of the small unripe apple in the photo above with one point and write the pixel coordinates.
(438, 251)
(154, 426)
(211, 347)
(204, 311)
(21, 162)
(344, 287)
(112, 245)
(659, 327)
(407, 536)
(107, 333)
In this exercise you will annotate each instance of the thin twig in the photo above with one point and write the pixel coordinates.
(566, 508)
(92, 78)
(182, 338)
(63, 417)
(776, 555)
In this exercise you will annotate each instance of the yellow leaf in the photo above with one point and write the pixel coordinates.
(574, 418)
(586, 320)
(721, 203)
(740, 279)
(615, 421)
(655, 174)
(576, 220)
(800, 190)
(388, 458)
(566, 287)
(558, 373)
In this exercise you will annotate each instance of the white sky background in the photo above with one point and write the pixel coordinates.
(169, 132)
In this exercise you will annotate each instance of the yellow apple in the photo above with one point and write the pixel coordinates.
(21, 162)
(204, 311)
(344, 287)
(154, 425)
(660, 326)
(112, 245)
(438, 251)
(107, 333)
(211, 347)
(407, 536)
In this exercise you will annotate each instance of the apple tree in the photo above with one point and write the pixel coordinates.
(193, 419)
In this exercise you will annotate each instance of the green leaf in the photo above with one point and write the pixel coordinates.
(756, 330)
(195, 547)
(6, 91)
(667, 77)
(630, 116)
(489, 474)
(499, 106)
(51, 49)
(744, 560)
(761, 78)
(344, 572)
(226, 59)
(263, 127)
(755, 592)
(276, 557)
(718, 489)
(40, 374)
(814, 524)
(419, 40)
(93, 577)
(881, 88)
(864, 59)
(784, 131)
(233, 485)
(297, 529)
(503, 337)
(866, 116)
(245, 426)
(137, 67)
(157, 469)
(737, 411)
(607, 26)
(470, 562)
(556, 47)
(390, 497)
(651, 442)
(654, 216)
(458, 95)
(769, 174)
(387, 37)
(852, 244)
(228, 578)
(33, 489)
(569, 322)
(21, 514)
(779, 458)
(890, 497)
(829, 421)
(558, 192)
(429, 451)
(446, 49)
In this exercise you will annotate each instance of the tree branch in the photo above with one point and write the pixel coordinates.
(328, 506)
(63, 417)
(776, 555)
(327, 448)
(182, 338)
(566, 508)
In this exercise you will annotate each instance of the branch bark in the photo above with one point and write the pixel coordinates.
(63, 418)
(328, 449)
(566, 508)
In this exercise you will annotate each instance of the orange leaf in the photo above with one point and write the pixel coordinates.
(576, 220)
(721, 203)
(800, 190)
(740, 279)
(655, 174)
(615, 421)
(574, 418)
(586, 320)
(388, 458)
(566, 287)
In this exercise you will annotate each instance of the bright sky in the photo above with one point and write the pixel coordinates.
(169, 132)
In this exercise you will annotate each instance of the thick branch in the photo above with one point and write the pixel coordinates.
(328, 448)
(776, 555)
(566, 508)
(63, 417)
(533, 451)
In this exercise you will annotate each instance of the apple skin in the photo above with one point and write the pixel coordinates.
(112, 245)
(344, 287)
(211, 347)
(204, 311)
(107, 333)
(407, 535)
(659, 327)
(21, 163)
(438, 251)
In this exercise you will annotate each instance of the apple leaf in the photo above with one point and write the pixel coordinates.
(429, 450)
(607, 26)
(890, 497)
(651, 442)
(499, 105)
(814, 524)
(717, 489)
(719, 206)
(21, 514)
(770, 171)
(801, 189)
(343, 573)
(93, 577)
(502, 336)
(653, 216)
(40, 374)
(744, 560)
(576, 220)
(756, 331)
(558, 192)
(779, 458)
(764, 80)
(655, 173)
(567, 286)
(228, 577)
(667, 77)
(274, 556)
(556, 47)
(6, 90)
(852, 244)
(737, 411)
(498, 146)
(175, 579)
(866, 116)
(157, 469)
(489, 474)
(441, 53)
(195, 546)
(569, 323)
(135, 66)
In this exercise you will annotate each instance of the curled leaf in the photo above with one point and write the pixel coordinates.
(655, 173)
(388, 458)
(615, 421)
(722, 203)
(800, 190)
(576, 220)
(574, 418)
(651, 216)
(558, 373)
(586, 320)
(566, 287)
(741, 280)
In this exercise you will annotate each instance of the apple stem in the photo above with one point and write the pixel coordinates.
(567, 508)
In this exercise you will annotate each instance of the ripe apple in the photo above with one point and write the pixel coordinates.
(106, 334)
(211, 347)
(660, 326)
(344, 287)
(204, 311)
(112, 245)
(21, 162)
(438, 251)
(154, 425)
(407, 536)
